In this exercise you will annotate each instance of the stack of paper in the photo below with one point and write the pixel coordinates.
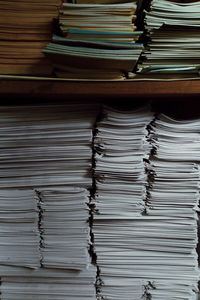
(121, 145)
(111, 22)
(47, 284)
(25, 30)
(145, 226)
(135, 240)
(173, 48)
(49, 231)
(19, 233)
(99, 41)
(46, 154)
(102, 1)
(171, 222)
(65, 228)
(46, 145)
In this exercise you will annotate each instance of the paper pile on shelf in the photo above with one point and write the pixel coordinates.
(46, 159)
(145, 226)
(19, 234)
(98, 41)
(26, 28)
(65, 231)
(63, 240)
(46, 145)
(171, 222)
(48, 284)
(103, 1)
(121, 145)
(173, 47)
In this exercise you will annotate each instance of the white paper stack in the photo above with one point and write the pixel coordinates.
(46, 158)
(121, 145)
(46, 145)
(171, 223)
(19, 234)
(145, 240)
(66, 232)
(144, 218)
(56, 245)
(48, 284)
(173, 48)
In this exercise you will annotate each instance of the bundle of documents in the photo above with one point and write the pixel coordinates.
(26, 28)
(47, 284)
(111, 22)
(136, 239)
(19, 233)
(46, 145)
(103, 1)
(121, 145)
(65, 228)
(46, 154)
(173, 48)
(99, 41)
(85, 63)
(45, 239)
(171, 226)
(145, 226)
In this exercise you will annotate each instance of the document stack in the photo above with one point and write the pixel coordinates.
(65, 270)
(135, 239)
(104, 1)
(48, 284)
(26, 28)
(173, 48)
(98, 41)
(46, 145)
(65, 231)
(171, 225)
(145, 226)
(45, 235)
(19, 233)
(121, 145)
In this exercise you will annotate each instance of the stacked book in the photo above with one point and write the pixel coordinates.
(26, 28)
(121, 147)
(63, 268)
(97, 41)
(171, 225)
(174, 44)
(46, 145)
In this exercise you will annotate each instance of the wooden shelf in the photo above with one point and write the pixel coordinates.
(93, 89)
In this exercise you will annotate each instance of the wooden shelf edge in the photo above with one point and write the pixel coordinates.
(105, 89)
